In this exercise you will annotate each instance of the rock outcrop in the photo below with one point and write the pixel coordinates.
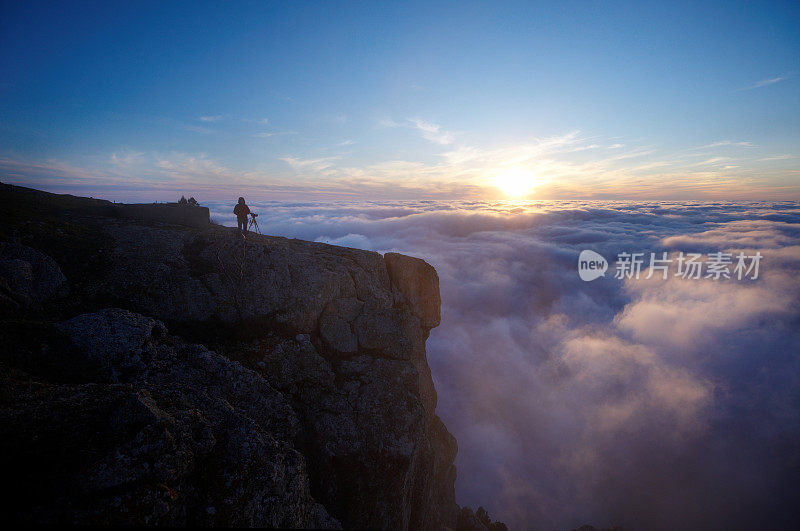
(418, 284)
(291, 390)
(191, 215)
(28, 278)
(477, 521)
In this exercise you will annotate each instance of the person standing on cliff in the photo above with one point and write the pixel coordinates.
(242, 211)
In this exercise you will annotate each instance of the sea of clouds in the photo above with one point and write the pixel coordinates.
(649, 403)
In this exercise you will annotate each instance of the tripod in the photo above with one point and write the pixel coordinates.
(253, 224)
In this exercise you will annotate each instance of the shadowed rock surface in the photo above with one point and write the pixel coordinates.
(292, 389)
(28, 278)
(477, 521)
(166, 433)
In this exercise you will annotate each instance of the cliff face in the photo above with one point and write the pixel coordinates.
(163, 374)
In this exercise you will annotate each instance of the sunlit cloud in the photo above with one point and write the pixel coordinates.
(777, 157)
(211, 118)
(564, 166)
(433, 132)
(713, 160)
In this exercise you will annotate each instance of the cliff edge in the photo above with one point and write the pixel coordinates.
(155, 373)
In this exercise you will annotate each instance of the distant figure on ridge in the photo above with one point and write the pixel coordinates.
(242, 211)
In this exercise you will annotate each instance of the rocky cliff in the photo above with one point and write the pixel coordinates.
(163, 374)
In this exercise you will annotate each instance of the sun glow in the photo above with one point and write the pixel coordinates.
(514, 182)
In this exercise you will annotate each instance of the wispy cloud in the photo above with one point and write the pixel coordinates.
(126, 158)
(387, 121)
(777, 157)
(713, 160)
(318, 165)
(726, 143)
(765, 83)
(261, 121)
(433, 132)
(211, 118)
(191, 166)
(268, 134)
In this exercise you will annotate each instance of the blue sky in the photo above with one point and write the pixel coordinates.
(360, 100)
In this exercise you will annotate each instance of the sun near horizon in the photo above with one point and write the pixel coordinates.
(515, 183)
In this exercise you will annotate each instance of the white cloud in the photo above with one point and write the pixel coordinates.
(185, 166)
(388, 122)
(778, 157)
(269, 134)
(127, 158)
(765, 82)
(433, 132)
(726, 143)
(318, 164)
(712, 160)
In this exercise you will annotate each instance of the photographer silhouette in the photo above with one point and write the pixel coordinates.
(242, 211)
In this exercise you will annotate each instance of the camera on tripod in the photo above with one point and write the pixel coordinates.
(253, 225)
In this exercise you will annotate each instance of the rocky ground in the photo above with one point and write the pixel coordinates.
(165, 374)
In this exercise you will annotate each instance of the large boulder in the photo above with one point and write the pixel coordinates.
(28, 278)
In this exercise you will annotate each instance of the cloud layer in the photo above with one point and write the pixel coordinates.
(449, 165)
(653, 404)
